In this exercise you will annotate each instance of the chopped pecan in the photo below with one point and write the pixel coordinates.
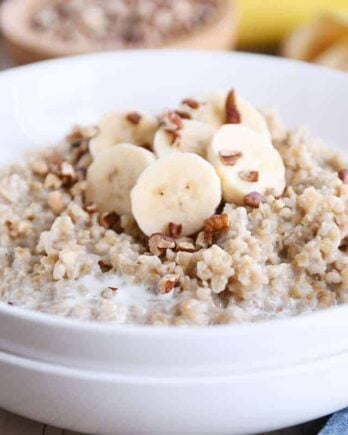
(134, 118)
(254, 199)
(217, 222)
(67, 174)
(104, 267)
(250, 176)
(230, 158)
(158, 243)
(175, 135)
(183, 115)
(174, 230)
(109, 292)
(167, 283)
(232, 115)
(90, 208)
(343, 175)
(185, 246)
(109, 220)
(81, 134)
(175, 119)
(193, 104)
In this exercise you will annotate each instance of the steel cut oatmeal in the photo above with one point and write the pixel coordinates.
(208, 214)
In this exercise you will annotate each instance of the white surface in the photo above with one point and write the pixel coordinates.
(210, 380)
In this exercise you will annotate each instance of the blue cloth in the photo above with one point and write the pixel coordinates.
(337, 424)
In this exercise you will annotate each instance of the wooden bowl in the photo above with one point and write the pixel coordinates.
(26, 45)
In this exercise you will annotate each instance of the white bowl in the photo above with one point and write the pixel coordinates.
(131, 379)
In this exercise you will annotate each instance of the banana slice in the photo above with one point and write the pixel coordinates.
(180, 188)
(214, 109)
(246, 162)
(112, 175)
(124, 127)
(191, 137)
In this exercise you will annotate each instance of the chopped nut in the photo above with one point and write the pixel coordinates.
(185, 246)
(230, 158)
(104, 267)
(232, 114)
(174, 119)
(254, 199)
(175, 136)
(167, 283)
(109, 220)
(134, 118)
(193, 104)
(183, 115)
(250, 176)
(67, 174)
(158, 243)
(217, 222)
(174, 230)
(55, 201)
(90, 208)
(343, 175)
(81, 134)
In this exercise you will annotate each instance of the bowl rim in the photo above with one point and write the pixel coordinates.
(149, 330)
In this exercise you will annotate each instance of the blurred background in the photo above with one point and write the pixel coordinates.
(311, 30)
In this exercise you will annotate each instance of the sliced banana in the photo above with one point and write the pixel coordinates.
(124, 127)
(191, 137)
(246, 162)
(113, 174)
(212, 109)
(180, 188)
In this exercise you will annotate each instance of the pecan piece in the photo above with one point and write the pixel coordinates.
(343, 175)
(254, 199)
(167, 283)
(193, 104)
(104, 267)
(90, 208)
(183, 115)
(174, 230)
(217, 222)
(158, 243)
(250, 176)
(175, 119)
(134, 118)
(232, 115)
(230, 158)
(109, 220)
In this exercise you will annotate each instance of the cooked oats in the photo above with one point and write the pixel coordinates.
(275, 256)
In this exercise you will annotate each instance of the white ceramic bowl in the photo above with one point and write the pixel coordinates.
(131, 379)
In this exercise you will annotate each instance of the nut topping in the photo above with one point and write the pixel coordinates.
(104, 267)
(109, 220)
(174, 230)
(216, 223)
(343, 175)
(250, 176)
(232, 114)
(254, 199)
(230, 158)
(167, 283)
(183, 115)
(90, 208)
(158, 243)
(193, 104)
(134, 118)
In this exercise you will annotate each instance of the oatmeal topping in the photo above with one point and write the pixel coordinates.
(343, 175)
(254, 199)
(230, 158)
(158, 243)
(98, 228)
(232, 113)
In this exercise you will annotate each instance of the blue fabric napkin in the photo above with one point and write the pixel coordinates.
(337, 424)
